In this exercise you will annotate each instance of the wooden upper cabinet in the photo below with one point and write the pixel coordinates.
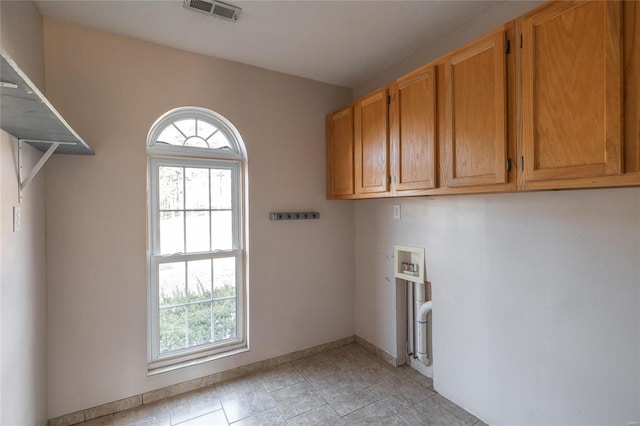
(475, 140)
(571, 91)
(372, 143)
(632, 86)
(340, 153)
(414, 124)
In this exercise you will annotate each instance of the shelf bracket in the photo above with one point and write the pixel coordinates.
(23, 183)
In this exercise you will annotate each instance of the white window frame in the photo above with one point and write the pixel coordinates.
(181, 156)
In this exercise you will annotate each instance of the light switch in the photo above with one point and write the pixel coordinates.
(396, 211)
(17, 219)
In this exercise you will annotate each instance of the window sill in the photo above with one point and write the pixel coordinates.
(189, 363)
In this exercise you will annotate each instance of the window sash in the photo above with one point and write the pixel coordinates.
(154, 167)
(157, 360)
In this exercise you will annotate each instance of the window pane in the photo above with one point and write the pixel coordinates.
(171, 135)
(172, 329)
(199, 280)
(197, 183)
(197, 231)
(196, 141)
(220, 189)
(221, 230)
(224, 277)
(224, 312)
(219, 141)
(188, 126)
(171, 188)
(205, 130)
(171, 232)
(171, 279)
(199, 324)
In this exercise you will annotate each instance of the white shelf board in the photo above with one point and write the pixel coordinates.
(28, 115)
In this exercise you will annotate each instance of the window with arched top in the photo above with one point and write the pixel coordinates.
(195, 131)
(196, 261)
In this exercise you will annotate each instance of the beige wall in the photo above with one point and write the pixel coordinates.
(23, 292)
(111, 89)
(21, 36)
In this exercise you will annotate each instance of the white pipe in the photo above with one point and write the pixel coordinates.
(410, 313)
(419, 296)
(421, 321)
(420, 292)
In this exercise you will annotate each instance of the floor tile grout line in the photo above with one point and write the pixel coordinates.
(361, 408)
(197, 417)
(326, 404)
(251, 391)
(276, 405)
(225, 413)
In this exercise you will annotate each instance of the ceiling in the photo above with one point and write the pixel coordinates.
(339, 42)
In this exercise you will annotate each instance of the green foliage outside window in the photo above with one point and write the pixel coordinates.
(193, 322)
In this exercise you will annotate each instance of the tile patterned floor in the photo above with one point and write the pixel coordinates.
(347, 385)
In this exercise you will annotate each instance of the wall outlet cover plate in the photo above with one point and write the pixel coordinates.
(396, 211)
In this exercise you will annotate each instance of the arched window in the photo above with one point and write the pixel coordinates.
(197, 302)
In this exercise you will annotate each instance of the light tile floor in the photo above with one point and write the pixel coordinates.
(346, 385)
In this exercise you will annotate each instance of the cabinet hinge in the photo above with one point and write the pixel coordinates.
(388, 99)
(389, 180)
(521, 41)
(509, 165)
(507, 46)
(522, 163)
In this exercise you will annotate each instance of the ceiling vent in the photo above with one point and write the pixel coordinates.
(214, 8)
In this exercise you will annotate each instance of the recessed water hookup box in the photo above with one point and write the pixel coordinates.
(409, 263)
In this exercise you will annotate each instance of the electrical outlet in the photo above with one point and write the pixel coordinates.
(396, 211)
(17, 219)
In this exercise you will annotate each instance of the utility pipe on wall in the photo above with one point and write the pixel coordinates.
(421, 320)
(422, 310)
(410, 322)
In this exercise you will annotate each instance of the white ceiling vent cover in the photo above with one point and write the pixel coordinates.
(214, 8)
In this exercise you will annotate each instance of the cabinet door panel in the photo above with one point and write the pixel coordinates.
(475, 144)
(340, 152)
(372, 144)
(414, 127)
(572, 91)
(632, 86)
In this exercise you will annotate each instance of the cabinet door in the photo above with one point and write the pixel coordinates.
(372, 143)
(571, 94)
(413, 116)
(340, 153)
(631, 72)
(475, 143)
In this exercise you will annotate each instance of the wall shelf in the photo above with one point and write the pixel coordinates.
(27, 115)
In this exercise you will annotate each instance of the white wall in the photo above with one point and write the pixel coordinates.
(23, 296)
(23, 376)
(111, 89)
(501, 13)
(536, 299)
